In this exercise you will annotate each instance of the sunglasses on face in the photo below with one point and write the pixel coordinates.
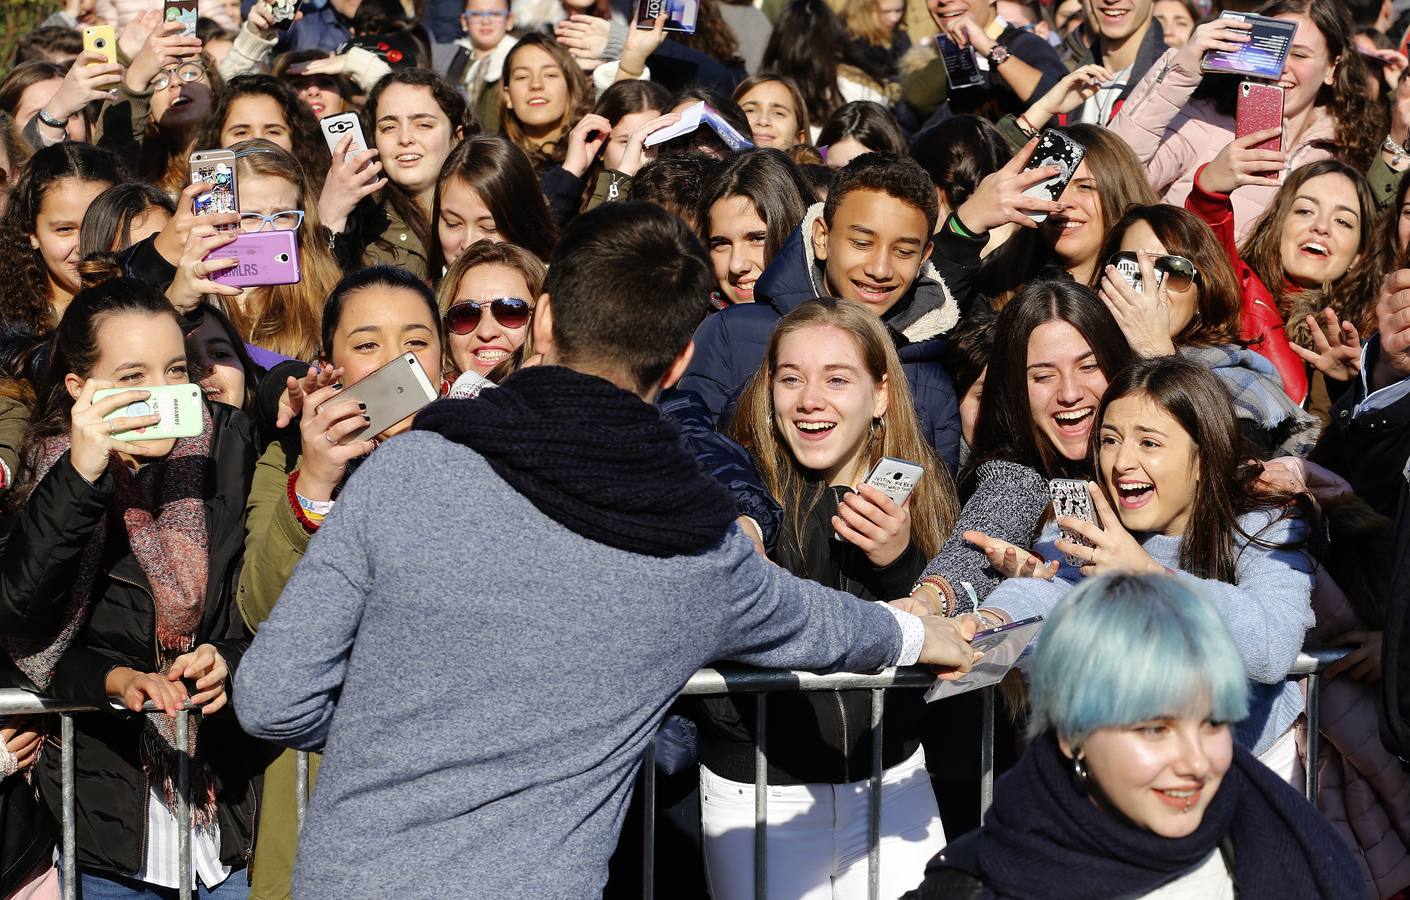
(1179, 273)
(511, 312)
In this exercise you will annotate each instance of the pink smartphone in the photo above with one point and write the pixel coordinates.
(1260, 108)
(265, 258)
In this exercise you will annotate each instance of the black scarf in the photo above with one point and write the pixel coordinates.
(1042, 831)
(594, 458)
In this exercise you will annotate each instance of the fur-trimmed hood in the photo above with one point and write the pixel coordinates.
(926, 312)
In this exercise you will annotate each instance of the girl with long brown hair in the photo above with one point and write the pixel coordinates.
(274, 195)
(543, 93)
(828, 402)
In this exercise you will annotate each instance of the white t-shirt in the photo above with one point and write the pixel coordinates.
(1209, 881)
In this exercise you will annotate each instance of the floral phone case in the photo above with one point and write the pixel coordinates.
(1070, 498)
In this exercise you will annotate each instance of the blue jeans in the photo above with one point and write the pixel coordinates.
(115, 887)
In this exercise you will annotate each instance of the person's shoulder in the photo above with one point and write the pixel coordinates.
(1274, 526)
(1030, 48)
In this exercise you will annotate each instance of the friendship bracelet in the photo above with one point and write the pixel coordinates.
(942, 589)
(305, 519)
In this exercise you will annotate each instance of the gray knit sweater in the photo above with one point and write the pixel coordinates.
(484, 681)
(1007, 503)
(1267, 609)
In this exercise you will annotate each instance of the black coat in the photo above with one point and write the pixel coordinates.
(39, 551)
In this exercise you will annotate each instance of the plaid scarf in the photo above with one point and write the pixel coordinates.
(1258, 396)
(162, 509)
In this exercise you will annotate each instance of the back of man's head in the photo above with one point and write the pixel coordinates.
(628, 285)
(899, 177)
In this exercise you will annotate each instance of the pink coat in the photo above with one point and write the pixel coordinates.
(1173, 136)
(1362, 789)
(120, 12)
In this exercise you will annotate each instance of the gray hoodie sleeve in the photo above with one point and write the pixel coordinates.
(780, 621)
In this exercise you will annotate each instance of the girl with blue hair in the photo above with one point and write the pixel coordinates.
(1133, 785)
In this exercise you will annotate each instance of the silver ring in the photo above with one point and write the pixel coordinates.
(1093, 557)
(112, 426)
(329, 438)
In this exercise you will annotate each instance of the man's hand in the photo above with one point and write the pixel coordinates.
(947, 646)
(1393, 324)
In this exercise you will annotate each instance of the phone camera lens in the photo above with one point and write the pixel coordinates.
(283, 257)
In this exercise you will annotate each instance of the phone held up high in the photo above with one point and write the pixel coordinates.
(101, 39)
(1054, 149)
(337, 127)
(1260, 107)
(217, 169)
(183, 11)
(284, 12)
(397, 390)
(1071, 499)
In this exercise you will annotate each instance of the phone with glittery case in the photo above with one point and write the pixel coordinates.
(1260, 107)
(1071, 498)
(1054, 149)
(216, 168)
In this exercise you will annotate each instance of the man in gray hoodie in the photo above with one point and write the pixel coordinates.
(495, 616)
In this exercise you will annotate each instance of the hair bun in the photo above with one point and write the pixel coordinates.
(99, 268)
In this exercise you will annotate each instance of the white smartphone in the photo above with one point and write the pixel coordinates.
(337, 127)
(397, 390)
(1071, 498)
(895, 478)
(179, 405)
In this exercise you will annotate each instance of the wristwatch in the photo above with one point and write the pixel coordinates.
(998, 55)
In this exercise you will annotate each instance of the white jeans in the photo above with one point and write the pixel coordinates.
(817, 835)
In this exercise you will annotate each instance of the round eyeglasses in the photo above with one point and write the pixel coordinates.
(186, 73)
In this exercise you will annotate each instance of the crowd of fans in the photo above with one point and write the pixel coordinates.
(678, 293)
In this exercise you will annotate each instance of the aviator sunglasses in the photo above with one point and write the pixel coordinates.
(511, 312)
(1177, 271)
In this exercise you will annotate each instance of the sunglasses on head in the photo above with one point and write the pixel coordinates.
(1179, 272)
(464, 316)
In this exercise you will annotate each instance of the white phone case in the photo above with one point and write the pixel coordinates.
(337, 127)
(895, 478)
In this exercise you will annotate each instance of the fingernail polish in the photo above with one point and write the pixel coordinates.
(362, 406)
(338, 386)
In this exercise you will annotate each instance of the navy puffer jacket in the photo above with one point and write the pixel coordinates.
(730, 345)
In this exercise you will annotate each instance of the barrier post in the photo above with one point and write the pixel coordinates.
(70, 833)
(878, 704)
(1314, 735)
(986, 755)
(648, 825)
(183, 801)
(761, 798)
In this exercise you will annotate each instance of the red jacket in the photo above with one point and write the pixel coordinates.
(1261, 324)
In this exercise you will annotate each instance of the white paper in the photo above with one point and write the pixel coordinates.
(690, 120)
(992, 666)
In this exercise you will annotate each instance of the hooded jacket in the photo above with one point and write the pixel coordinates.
(730, 345)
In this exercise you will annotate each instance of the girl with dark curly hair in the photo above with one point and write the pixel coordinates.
(261, 106)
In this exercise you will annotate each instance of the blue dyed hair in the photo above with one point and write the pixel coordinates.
(1123, 649)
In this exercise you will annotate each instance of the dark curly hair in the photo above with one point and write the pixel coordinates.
(309, 146)
(25, 292)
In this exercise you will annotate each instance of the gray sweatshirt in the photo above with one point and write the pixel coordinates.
(484, 681)
(1267, 609)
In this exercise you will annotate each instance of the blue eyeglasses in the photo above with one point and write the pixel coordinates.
(473, 14)
(284, 220)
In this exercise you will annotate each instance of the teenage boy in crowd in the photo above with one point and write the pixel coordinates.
(486, 43)
(613, 561)
(1123, 36)
(1018, 66)
(869, 242)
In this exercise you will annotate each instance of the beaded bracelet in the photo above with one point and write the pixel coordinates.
(942, 588)
(309, 523)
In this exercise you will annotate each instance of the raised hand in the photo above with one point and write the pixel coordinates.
(1144, 317)
(350, 178)
(634, 155)
(1336, 352)
(1113, 548)
(164, 46)
(325, 459)
(585, 141)
(585, 37)
(641, 43)
(873, 523)
(193, 271)
(1009, 560)
(1216, 34)
(1239, 164)
(296, 390)
(1068, 94)
(91, 434)
(1393, 325)
(999, 198)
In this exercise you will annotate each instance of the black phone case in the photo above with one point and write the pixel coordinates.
(1054, 149)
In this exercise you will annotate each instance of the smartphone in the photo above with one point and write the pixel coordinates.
(216, 168)
(393, 392)
(895, 478)
(183, 11)
(1070, 498)
(1054, 149)
(179, 405)
(1263, 56)
(961, 65)
(283, 12)
(681, 15)
(101, 39)
(337, 127)
(266, 258)
(1130, 270)
(1260, 107)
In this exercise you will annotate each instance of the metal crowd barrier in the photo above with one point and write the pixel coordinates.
(706, 682)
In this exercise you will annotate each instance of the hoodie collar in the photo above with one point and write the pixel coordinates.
(927, 310)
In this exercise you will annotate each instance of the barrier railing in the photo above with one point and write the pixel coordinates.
(706, 682)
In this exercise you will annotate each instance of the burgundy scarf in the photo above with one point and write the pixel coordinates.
(162, 509)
